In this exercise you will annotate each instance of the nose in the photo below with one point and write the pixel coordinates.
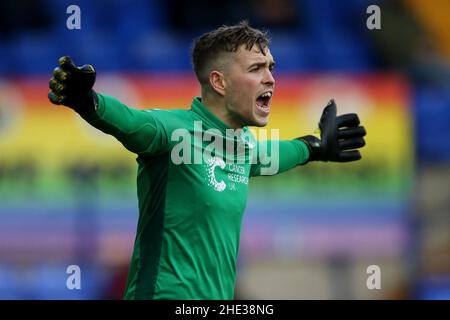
(268, 78)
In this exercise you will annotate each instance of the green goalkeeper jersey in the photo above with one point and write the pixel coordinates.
(191, 196)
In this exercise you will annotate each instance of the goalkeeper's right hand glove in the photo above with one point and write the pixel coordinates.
(72, 86)
(339, 137)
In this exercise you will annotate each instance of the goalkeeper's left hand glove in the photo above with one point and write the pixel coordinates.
(72, 86)
(338, 137)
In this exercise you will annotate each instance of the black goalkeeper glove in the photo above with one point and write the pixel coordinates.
(72, 86)
(338, 136)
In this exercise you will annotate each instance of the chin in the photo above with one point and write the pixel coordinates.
(260, 122)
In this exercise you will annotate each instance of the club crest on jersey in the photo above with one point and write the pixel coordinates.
(235, 174)
(211, 165)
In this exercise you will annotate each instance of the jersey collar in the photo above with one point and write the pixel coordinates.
(206, 115)
(210, 119)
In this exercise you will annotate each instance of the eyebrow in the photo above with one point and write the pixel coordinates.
(260, 64)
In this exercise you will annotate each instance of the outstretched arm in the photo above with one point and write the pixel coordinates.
(138, 130)
(277, 156)
(340, 136)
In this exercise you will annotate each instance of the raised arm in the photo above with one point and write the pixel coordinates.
(138, 130)
(340, 137)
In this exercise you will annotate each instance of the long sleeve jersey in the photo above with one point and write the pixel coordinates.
(192, 191)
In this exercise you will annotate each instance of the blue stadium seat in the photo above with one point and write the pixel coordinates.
(432, 119)
(8, 287)
(160, 52)
(342, 52)
(7, 61)
(292, 53)
(33, 53)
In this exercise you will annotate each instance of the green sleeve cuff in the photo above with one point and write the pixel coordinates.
(303, 151)
(97, 113)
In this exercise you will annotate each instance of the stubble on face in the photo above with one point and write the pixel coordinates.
(247, 76)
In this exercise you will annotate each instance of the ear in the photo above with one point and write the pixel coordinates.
(217, 81)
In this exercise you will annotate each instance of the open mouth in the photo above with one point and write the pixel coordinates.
(263, 102)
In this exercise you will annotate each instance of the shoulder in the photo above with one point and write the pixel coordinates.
(171, 118)
(173, 114)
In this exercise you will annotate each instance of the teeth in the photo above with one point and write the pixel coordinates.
(266, 94)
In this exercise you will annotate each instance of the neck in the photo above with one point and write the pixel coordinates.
(217, 106)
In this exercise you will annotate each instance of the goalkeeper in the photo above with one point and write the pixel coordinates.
(190, 214)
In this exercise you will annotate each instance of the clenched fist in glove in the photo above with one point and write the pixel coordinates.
(72, 86)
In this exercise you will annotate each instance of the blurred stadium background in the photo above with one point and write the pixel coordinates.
(67, 192)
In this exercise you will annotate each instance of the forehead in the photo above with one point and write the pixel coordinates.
(244, 56)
